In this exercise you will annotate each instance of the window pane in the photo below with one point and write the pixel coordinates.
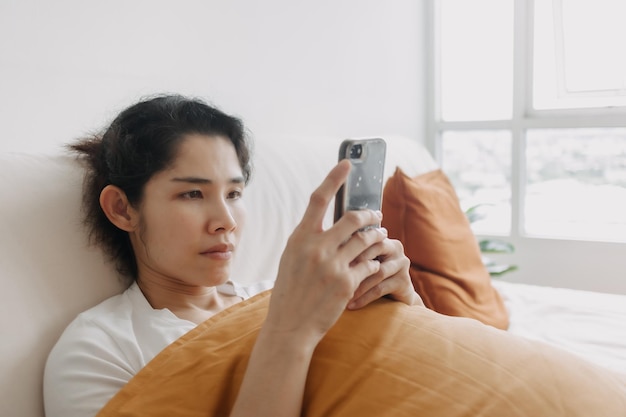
(478, 164)
(577, 54)
(476, 59)
(576, 183)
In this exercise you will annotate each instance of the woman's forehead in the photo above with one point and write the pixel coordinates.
(198, 154)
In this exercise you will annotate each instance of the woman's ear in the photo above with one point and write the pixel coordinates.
(116, 207)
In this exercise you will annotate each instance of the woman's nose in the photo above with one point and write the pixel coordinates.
(222, 218)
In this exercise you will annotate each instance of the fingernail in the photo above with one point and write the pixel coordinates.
(379, 214)
(384, 231)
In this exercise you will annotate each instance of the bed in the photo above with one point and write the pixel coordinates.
(589, 324)
(50, 273)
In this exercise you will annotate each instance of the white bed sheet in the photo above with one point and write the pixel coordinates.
(588, 324)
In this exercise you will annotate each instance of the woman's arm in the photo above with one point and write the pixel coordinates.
(319, 274)
(275, 377)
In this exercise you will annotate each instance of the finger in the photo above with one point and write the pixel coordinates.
(391, 279)
(322, 196)
(363, 270)
(395, 287)
(373, 280)
(362, 245)
(352, 223)
(379, 290)
(382, 249)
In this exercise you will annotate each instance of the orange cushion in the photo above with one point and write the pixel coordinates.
(387, 359)
(446, 266)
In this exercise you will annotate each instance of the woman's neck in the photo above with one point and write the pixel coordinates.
(187, 302)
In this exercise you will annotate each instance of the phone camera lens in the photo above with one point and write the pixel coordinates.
(356, 151)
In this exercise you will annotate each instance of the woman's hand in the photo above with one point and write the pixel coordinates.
(320, 270)
(392, 279)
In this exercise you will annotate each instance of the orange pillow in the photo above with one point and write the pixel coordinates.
(446, 266)
(388, 359)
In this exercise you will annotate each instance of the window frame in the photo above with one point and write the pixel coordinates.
(524, 116)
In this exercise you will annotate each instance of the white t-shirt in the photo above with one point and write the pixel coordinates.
(105, 346)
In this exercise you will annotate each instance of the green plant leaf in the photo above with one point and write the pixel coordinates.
(498, 270)
(495, 246)
(473, 214)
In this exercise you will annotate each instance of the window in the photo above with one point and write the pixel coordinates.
(530, 114)
(576, 47)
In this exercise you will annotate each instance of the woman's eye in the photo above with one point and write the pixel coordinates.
(235, 194)
(192, 195)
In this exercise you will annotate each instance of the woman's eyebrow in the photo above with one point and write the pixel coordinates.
(200, 180)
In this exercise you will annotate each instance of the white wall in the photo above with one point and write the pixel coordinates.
(593, 266)
(330, 67)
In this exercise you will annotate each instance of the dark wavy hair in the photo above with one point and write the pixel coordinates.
(143, 140)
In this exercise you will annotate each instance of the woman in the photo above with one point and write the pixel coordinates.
(163, 199)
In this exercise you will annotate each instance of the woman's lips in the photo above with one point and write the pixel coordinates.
(219, 252)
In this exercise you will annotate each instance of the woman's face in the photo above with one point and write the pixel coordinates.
(191, 216)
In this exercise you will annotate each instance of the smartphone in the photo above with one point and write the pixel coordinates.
(364, 187)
